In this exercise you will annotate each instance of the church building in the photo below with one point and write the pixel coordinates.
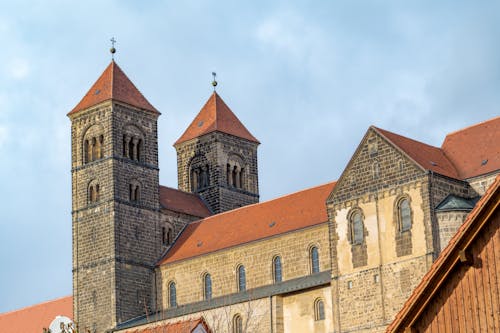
(339, 257)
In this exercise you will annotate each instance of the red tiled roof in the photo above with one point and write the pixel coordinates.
(215, 116)
(253, 222)
(470, 147)
(183, 202)
(114, 84)
(36, 317)
(448, 257)
(428, 157)
(186, 326)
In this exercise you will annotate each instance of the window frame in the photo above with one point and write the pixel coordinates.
(277, 268)
(352, 229)
(319, 309)
(207, 286)
(237, 324)
(172, 296)
(314, 262)
(241, 278)
(400, 217)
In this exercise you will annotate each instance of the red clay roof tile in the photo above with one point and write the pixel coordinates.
(446, 258)
(186, 326)
(183, 202)
(428, 157)
(250, 223)
(113, 84)
(36, 317)
(216, 116)
(475, 150)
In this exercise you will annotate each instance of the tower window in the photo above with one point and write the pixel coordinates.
(356, 228)
(134, 192)
(93, 193)
(319, 310)
(133, 143)
(242, 280)
(404, 215)
(235, 173)
(314, 257)
(207, 286)
(172, 295)
(200, 177)
(93, 144)
(277, 269)
(166, 235)
(237, 324)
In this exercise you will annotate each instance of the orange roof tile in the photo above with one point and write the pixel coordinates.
(113, 84)
(250, 223)
(428, 157)
(475, 150)
(186, 326)
(448, 257)
(36, 317)
(183, 202)
(216, 116)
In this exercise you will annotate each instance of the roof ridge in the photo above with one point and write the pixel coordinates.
(35, 305)
(406, 137)
(470, 126)
(264, 202)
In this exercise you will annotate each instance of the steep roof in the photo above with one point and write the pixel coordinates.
(36, 317)
(475, 150)
(291, 212)
(185, 326)
(442, 267)
(113, 84)
(427, 156)
(183, 202)
(216, 116)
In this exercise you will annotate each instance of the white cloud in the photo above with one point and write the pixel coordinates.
(18, 68)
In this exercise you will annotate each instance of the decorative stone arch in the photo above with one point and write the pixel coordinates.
(403, 233)
(319, 309)
(92, 147)
(237, 324)
(314, 266)
(359, 250)
(133, 143)
(236, 172)
(167, 233)
(199, 173)
(172, 293)
(241, 280)
(134, 190)
(94, 190)
(277, 268)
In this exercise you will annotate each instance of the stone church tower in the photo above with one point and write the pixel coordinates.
(217, 158)
(115, 208)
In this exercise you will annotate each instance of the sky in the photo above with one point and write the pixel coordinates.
(306, 78)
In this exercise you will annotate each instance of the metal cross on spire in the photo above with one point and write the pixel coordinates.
(214, 83)
(112, 49)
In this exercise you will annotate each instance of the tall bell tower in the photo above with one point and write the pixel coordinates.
(115, 209)
(217, 158)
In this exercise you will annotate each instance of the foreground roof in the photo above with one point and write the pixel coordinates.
(216, 116)
(467, 153)
(113, 84)
(183, 202)
(435, 278)
(288, 213)
(36, 317)
(187, 326)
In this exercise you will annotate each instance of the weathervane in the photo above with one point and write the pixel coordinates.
(112, 49)
(214, 83)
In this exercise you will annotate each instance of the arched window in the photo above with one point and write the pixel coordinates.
(277, 269)
(172, 295)
(375, 170)
(133, 143)
(93, 193)
(237, 324)
(207, 286)
(319, 310)
(314, 255)
(242, 279)
(356, 228)
(134, 191)
(170, 237)
(404, 215)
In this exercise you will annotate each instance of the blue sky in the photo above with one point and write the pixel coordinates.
(306, 78)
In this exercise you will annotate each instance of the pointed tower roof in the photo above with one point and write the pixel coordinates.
(216, 116)
(114, 84)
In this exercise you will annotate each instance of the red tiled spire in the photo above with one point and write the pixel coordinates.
(216, 116)
(114, 84)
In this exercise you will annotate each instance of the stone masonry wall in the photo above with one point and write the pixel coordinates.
(216, 149)
(115, 241)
